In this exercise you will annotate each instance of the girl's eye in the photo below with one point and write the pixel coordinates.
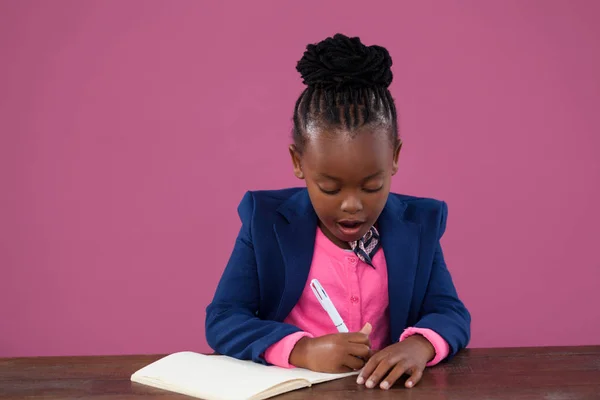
(373, 190)
(330, 192)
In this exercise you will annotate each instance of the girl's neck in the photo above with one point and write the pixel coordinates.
(339, 243)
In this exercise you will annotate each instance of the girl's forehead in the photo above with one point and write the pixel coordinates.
(349, 154)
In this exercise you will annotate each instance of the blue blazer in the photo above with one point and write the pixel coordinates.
(269, 266)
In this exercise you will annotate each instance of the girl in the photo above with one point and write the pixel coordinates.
(376, 253)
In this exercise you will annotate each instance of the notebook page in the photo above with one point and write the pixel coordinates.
(317, 377)
(218, 377)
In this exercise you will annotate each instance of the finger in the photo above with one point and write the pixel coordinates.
(393, 376)
(353, 362)
(415, 377)
(383, 367)
(367, 369)
(357, 337)
(360, 350)
(367, 329)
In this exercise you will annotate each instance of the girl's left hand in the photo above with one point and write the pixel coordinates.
(409, 356)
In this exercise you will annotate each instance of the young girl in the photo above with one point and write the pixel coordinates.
(377, 254)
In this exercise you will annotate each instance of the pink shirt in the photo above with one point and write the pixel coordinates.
(358, 291)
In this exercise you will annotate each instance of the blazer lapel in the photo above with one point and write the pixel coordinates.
(296, 233)
(400, 240)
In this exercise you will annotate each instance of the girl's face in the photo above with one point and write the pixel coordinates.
(348, 178)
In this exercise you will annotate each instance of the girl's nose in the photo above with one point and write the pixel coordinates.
(352, 205)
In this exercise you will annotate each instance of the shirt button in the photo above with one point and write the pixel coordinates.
(354, 299)
(352, 260)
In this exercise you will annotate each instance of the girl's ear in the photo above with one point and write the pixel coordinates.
(297, 162)
(396, 156)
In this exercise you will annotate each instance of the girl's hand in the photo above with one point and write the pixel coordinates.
(335, 353)
(409, 356)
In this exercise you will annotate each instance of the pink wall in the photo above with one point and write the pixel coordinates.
(129, 131)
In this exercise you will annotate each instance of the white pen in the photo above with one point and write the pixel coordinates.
(328, 305)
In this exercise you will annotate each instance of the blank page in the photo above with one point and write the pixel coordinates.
(219, 377)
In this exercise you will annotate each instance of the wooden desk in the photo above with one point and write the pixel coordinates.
(526, 373)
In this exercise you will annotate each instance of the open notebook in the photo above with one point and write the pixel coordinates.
(225, 378)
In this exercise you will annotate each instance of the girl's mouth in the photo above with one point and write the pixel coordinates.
(350, 227)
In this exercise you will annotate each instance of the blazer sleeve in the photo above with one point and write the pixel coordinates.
(232, 325)
(442, 311)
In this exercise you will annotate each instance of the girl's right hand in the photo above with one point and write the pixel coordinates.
(334, 353)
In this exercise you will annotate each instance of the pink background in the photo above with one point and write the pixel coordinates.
(129, 130)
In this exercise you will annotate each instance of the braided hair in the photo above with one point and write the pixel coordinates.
(347, 86)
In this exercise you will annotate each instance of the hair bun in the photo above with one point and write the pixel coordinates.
(345, 62)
